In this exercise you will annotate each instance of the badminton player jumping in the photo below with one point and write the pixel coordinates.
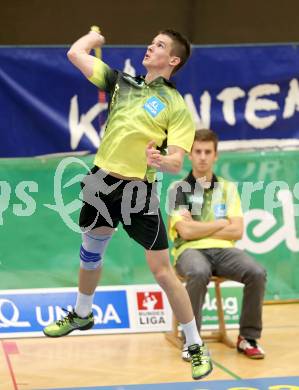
(145, 114)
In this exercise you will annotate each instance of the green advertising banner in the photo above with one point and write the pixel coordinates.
(268, 183)
(40, 239)
(232, 294)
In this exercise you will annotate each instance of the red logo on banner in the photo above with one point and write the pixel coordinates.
(150, 300)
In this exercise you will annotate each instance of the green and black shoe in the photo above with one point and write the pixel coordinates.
(69, 323)
(201, 363)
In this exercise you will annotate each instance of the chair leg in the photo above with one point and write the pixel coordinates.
(175, 338)
(222, 329)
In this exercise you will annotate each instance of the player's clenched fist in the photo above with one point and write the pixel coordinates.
(153, 156)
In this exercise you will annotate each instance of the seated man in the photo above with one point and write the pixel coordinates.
(206, 220)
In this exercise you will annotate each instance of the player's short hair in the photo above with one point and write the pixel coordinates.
(207, 135)
(180, 46)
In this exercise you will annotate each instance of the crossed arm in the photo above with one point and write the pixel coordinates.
(223, 229)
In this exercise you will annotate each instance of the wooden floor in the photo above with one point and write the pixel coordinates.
(71, 361)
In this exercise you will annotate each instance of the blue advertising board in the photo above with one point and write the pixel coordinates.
(28, 312)
(242, 92)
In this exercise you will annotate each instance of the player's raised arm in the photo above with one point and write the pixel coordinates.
(79, 53)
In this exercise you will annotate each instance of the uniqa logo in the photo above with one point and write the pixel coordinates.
(15, 314)
(47, 315)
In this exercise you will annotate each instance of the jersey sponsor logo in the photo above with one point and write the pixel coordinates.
(154, 106)
(220, 210)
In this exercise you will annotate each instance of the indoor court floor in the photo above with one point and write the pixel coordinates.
(148, 361)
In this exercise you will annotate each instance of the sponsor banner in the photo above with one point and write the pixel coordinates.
(27, 312)
(42, 192)
(232, 295)
(242, 92)
(117, 309)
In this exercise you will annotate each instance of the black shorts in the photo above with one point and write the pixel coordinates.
(109, 200)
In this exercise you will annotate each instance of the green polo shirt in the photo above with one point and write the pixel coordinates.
(221, 200)
(138, 113)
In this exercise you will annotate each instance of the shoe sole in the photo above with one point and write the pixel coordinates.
(206, 374)
(85, 327)
(255, 357)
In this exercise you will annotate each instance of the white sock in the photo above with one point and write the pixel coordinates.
(191, 333)
(83, 304)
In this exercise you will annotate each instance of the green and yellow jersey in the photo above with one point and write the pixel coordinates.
(138, 113)
(221, 200)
